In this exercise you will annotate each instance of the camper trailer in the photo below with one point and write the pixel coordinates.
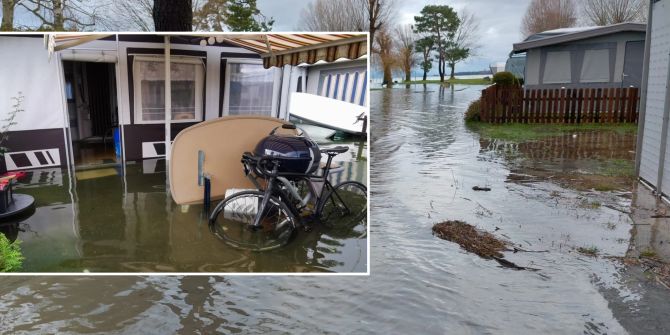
(91, 100)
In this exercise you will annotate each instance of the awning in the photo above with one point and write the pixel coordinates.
(294, 49)
(275, 49)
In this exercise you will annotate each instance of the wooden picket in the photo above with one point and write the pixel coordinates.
(572, 105)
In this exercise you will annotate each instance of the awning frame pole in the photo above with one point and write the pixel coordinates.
(168, 99)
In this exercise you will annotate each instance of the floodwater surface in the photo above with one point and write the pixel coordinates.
(424, 164)
(101, 220)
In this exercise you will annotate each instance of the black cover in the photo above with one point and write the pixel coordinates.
(301, 154)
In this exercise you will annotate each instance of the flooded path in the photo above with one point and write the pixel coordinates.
(424, 165)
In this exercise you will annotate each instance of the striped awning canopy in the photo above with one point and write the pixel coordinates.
(294, 49)
(275, 49)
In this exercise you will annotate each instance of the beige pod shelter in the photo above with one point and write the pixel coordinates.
(223, 141)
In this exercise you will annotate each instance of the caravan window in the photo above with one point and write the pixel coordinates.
(557, 68)
(187, 80)
(250, 89)
(596, 66)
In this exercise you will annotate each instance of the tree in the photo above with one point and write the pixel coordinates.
(379, 12)
(385, 44)
(334, 15)
(605, 12)
(61, 15)
(464, 43)
(424, 46)
(406, 38)
(243, 15)
(543, 15)
(440, 23)
(173, 15)
(8, 14)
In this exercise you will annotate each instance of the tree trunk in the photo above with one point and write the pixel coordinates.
(59, 19)
(388, 75)
(440, 68)
(408, 74)
(452, 66)
(7, 15)
(425, 74)
(173, 15)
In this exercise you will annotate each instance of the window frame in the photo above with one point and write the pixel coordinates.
(199, 95)
(275, 85)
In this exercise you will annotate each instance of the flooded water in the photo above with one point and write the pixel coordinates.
(102, 221)
(424, 165)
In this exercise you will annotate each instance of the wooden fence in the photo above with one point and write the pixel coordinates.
(578, 105)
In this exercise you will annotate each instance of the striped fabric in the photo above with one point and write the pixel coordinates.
(346, 86)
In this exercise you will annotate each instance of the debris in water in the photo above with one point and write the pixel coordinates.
(591, 251)
(478, 188)
(482, 243)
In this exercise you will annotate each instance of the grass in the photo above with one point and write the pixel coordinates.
(11, 258)
(519, 132)
(617, 168)
(588, 251)
(585, 203)
(649, 253)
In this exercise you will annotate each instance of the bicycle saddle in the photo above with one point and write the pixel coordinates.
(335, 150)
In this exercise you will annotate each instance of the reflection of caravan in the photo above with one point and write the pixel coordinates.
(97, 99)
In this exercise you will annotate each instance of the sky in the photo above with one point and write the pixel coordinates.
(499, 23)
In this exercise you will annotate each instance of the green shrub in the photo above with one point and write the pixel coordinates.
(504, 78)
(11, 258)
(519, 80)
(472, 114)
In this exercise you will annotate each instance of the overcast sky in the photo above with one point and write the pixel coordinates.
(500, 23)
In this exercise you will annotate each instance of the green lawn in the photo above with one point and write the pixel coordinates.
(518, 132)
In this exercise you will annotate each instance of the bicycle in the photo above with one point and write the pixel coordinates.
(268, 217)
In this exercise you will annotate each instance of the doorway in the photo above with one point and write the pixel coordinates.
(93, 113)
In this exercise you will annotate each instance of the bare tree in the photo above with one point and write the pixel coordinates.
(60, 15)
(386, 58)
(347, 15)
(8, 14)
(464, 44)
(605, 12)
(334, 15)
(406, 55)
(543, 15)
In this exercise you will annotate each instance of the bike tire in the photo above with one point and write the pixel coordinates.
(345, 201)
(231, 217)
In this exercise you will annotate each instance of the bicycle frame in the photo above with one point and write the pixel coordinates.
(272, 188)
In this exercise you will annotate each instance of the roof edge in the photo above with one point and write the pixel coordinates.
(569, 37)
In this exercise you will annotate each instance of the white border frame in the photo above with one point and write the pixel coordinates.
(240, 274)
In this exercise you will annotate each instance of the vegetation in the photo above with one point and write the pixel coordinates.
(440, 23)
(425, 47)
(520, 132)
(9, 121)
(504, 78)
(648, 253)
(11, 258)
(589, 251)
(472, 114)
(606, 12)
(543, 15)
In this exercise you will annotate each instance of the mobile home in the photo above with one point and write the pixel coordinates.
(100, 99)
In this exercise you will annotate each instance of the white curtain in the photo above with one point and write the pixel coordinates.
(187, 83)
(250, 89)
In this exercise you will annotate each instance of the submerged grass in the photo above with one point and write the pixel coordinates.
(468, 81)
(482, 243)
(589, 251)
(520, 132)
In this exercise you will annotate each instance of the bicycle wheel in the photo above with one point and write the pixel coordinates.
(344, 205)
(231, 218)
